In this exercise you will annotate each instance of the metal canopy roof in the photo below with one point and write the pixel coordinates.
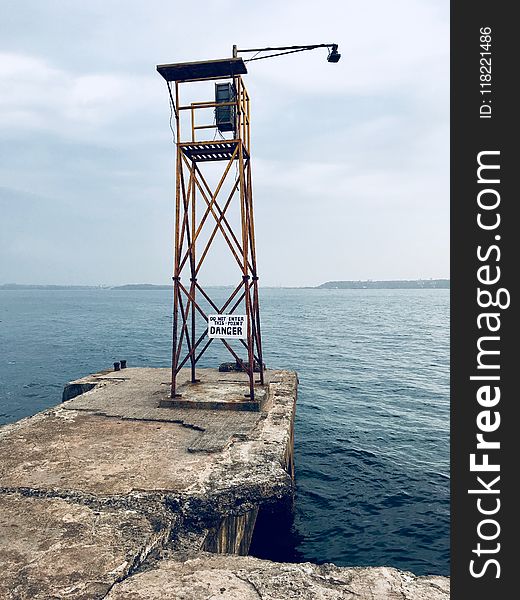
(207, 69)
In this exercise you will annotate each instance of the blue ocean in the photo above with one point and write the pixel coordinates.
(372, 426)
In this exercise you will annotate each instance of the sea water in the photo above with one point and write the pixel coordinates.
(372, 422)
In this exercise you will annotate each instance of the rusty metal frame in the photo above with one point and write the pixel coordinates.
(191, 190)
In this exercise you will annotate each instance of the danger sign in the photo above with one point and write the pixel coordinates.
(227, 326)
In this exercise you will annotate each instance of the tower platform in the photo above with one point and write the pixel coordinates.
(211, 151)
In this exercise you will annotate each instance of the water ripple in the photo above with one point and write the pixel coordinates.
(372, 423)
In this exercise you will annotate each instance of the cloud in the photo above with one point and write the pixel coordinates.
(352, 155)
(37, 96)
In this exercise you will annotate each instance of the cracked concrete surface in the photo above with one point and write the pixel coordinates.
(111, 455)
(53, 548)
(110, 496)
(210, 576)
(92, 454)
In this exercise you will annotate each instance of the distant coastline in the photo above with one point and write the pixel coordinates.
(130, 286)
(30, 286)
(398, 284)
(142, 286)
(415, 284)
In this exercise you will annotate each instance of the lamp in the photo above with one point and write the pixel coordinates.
(334, 55)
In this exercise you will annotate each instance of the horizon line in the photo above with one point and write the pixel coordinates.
(164, 285)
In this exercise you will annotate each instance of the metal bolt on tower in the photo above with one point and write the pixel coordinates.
(202, 204)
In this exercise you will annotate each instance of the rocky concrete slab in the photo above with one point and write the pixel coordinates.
(207, 467)
(108, 391)
(89, 489)
(142, 394)
(208, 395)
(74, 451)
(114, 439)
(54, 549)
(246, 578)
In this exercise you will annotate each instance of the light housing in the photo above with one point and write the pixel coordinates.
(334, 55)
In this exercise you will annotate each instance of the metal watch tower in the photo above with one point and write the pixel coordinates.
(203, 205)
(199, 205)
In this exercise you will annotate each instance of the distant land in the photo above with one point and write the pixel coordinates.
(415, 284)
(398, 284)
(30, 286)
(142, 286)
(130, 286)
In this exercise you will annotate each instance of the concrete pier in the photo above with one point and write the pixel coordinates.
(111, 495)
(210, 576)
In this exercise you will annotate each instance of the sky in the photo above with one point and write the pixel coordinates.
(350, 161)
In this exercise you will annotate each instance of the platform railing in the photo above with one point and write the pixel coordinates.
(243, 117)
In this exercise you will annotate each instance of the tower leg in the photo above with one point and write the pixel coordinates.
(175, 335)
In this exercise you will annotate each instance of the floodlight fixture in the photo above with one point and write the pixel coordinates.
(334, 55)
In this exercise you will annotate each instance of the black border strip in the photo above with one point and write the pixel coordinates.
(470, 135)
